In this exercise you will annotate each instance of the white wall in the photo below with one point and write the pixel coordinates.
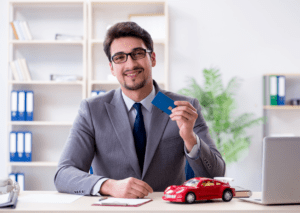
(244, 38)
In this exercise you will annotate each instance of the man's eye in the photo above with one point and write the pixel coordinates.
(138, 53)
(119, 57)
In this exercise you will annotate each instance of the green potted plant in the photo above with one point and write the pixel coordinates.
(226, 128)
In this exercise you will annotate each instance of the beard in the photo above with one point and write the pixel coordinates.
(136, 86)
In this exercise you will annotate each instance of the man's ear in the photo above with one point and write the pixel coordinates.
(112, 69)
(153, 59)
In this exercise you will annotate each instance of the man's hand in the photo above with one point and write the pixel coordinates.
(126, 188)
(185, 116)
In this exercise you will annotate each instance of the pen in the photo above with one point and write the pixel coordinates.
(102, 198)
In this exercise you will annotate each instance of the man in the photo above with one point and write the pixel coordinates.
(134, 147)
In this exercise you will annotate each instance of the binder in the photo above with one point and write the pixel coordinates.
(273, 90)
(94, 93)
(20, 146)
(21, 181)
(21, 105)
(29, 106)
(281, 90)
(266, 91)
(13, 146)
(13, 177)
(14, 105)
(101, 92)
(28, 146)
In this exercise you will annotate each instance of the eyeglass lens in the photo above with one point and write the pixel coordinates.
(135, 55)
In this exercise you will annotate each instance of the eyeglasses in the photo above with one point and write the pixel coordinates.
(136, 54)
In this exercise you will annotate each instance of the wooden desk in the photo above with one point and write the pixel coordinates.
(84, 203)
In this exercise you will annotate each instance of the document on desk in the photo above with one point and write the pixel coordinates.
(49, 198)
(122, 202)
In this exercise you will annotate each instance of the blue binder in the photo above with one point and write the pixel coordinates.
(29, 106)
(21, 181)
(101, 92)
(281, 90)
(28, 147)
(14, 105)
(13, 146)
(20, 146)
(94, 93)
(21, 105)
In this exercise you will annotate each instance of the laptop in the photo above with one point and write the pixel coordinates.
(280, 171)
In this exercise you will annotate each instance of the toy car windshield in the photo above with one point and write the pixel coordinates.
(191, 182)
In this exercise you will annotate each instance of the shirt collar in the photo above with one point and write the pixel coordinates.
(146, 102)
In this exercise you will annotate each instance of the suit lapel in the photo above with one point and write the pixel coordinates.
(118, 115)
(158, 123)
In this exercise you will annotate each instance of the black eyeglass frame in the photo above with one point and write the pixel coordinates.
(139, 48)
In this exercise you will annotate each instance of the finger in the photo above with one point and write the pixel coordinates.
(183, 103)
(188, 115)
(189, 109)
(143, 184)
(139, 190)
(179, 118)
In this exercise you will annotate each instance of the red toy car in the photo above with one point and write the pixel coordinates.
(199, 188)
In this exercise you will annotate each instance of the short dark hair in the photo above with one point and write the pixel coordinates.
(126, 29)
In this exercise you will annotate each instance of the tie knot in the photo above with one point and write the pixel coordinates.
(137, 106)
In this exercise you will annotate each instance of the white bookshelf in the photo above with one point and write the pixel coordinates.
(283, 119)
(103, 14)
(56, 103)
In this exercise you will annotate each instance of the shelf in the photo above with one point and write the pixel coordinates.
(40, 123)
(30, 164)
(155, 41)
(284, 74)
(46, 83)
(287, 107)
(46, 42)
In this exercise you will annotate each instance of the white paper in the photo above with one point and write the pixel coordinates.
(4, 198)
(122, 201)
(48, 198)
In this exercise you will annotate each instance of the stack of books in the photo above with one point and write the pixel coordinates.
(274, 90)
(21, 30)
(21, 105)
(20, 70)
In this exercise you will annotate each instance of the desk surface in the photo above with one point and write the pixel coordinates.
(84, 204)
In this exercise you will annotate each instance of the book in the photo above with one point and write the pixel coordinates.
(19, 61)
(121, 202)
(19, 70)
(26, 30)
(241, 192)
(14, 30)
(65, 78)
(25, 69)
(14, 71)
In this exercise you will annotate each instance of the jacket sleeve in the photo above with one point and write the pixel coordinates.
(209, 163)
(72, 173)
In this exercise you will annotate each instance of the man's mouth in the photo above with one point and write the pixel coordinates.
(133, 73)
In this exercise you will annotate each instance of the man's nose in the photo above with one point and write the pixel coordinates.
(130, 62)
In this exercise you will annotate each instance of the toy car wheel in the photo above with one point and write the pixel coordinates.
(190, 197)
(227, 195)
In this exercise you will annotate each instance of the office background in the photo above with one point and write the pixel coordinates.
(244, 38)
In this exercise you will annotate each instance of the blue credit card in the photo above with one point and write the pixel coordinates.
(164, 103)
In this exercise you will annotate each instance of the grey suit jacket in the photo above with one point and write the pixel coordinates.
(101, 135)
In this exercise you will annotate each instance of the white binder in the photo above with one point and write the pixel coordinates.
(21, 181)
(28, 146)
(21, 105)
(14, 105)
(13, 146)
(13, 177)
(29, 106)
(20, 146)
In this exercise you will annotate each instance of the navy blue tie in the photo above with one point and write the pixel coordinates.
(139, 135)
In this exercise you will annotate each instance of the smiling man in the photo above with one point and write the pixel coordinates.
(133, 147)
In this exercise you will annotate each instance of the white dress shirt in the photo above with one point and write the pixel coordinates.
(147, 108)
